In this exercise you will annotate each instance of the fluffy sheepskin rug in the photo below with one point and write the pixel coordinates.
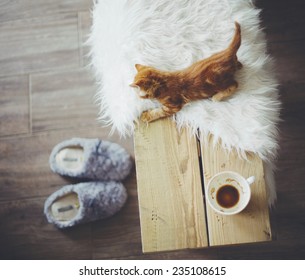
(171, 35)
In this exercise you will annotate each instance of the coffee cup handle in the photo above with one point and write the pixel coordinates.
(251, 180)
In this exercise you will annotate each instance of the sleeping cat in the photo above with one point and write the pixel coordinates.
(212, 77)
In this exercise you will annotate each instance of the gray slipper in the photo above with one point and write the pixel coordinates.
(84, 202)
(91, 159)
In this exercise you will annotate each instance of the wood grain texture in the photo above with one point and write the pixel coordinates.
(169, 188)
(252, 224)
(26, 179)
(66, 101)
(284, 22)
(120, 236)
(33, 45)
(85, 22)
(22, 9)
(275, 250)
(25, 234)
(15, 105)
(289, 60)
(24, 162)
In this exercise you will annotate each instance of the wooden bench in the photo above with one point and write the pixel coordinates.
(172, 169)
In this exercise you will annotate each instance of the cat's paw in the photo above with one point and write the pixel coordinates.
(216, 98)
(146, 117)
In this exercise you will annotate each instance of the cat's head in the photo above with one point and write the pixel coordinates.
(147, 81)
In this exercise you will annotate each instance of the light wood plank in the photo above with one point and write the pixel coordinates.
(252, 224)
(169, 187)
(24, 170)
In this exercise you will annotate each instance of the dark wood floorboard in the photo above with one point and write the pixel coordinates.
(68, 94)
(23, 9)
(15, 105)
(46, 96)
(39, 44)
(24, 162)
(26, 235)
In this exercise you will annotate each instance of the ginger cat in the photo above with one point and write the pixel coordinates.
(212, 77)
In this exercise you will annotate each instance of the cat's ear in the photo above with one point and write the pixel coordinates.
(134, 85)
(139, 67)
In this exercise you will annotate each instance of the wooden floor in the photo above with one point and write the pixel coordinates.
(46, 96)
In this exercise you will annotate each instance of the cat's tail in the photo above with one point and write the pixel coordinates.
(236, 41)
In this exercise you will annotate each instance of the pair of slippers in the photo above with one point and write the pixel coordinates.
(105, 164)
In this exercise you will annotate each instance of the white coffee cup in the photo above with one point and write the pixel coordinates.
(228, 192)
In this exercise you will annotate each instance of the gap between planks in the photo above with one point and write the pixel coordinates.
(171, 171)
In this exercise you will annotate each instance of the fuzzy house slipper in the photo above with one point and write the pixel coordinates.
(91, 159)
(84, 202)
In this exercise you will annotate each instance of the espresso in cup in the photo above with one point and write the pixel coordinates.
(227, 196)
(229, 192)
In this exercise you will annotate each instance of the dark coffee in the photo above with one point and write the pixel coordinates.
(227, 196)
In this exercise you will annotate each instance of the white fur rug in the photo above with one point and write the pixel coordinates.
(171, 35)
